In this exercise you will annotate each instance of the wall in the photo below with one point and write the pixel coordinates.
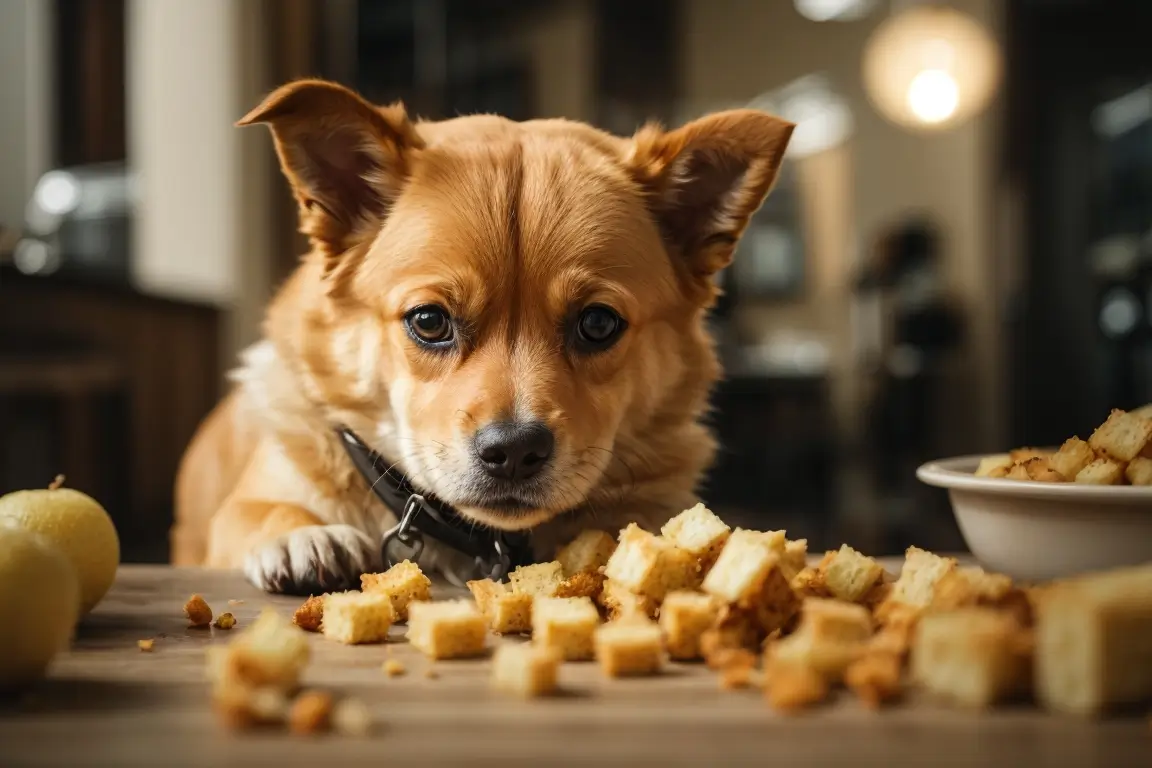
(737, 49)
(203, 226)
(25, 103)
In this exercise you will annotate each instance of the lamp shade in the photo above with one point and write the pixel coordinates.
(930, 68)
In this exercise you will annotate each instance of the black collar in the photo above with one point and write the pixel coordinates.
(422, 514)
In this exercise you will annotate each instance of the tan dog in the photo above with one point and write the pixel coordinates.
(513, 313)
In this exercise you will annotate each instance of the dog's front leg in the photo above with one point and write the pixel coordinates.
(284, 548)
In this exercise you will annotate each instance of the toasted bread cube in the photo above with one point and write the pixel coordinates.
(566, 624)
(795, 557)
(973, 586)
(198, 612)
(310, 615)
(829, 658)
(1122, 437)
(698, 531)
(1036, 469)
(790, 687)
(972, 656)
(582, 584)
(834, 621)
(875, 678)
(810, 582)
(649, 565)
(1139, 471)
(1101, 472)
(1024, 454)
(1093, 647)
(525, 670)
(775, 604)
(506, 611)
(587, 553)
(402, 583)
(735, 629)
(630, 647)
(850, 575)
(684, 618)
(311, 712)
(352, 717)
(538, 580)
(995, 466)
(742, 567)
(269, 653)
(450, 629)
(358, 617)
(618, 601)
(1072, 457)
(917, 583)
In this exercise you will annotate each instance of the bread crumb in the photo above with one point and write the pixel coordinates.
(394, 668)
(145, 645)
(225, 621)
(234, 603)
(198, 612)
(431, 673)
(352, 717)
(310, 713)
(310, 615)
(791, 687)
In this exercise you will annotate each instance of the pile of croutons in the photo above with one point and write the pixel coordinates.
(1119, 452)
(748, 605)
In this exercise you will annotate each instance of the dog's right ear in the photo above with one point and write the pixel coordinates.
(346, 159)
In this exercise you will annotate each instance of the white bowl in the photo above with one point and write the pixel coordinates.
(1040, 531)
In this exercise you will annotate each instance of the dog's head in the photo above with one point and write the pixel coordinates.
(505, 303)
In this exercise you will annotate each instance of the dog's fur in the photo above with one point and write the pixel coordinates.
(514, 228)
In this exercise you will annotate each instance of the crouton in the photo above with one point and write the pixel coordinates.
(402, 583)
(1123, 437)
(735, 628)
(917, 582)
(1092, 641)
(810, 582)
(790, 687)
(685, 617)
(582, 584)
(1036, 470)
(446, 630)
(1101, 472)
(973, 586)
(566, 624)
(742, 567)
(971, 656)
(352, 717)
(358, 617)
(618, 601)
(310, 615)
(649, 565)
(849, 575)
(875, 678)
(1020, 455)
(198, 612)
(995, 466)
(830, 636)
(1139, 471)
(538, 580)
(698, 531)
(506, 611)
(311, 712)
(1072, 457)
(270, 652)
(526, 670)
(587, 553)
(632, 646)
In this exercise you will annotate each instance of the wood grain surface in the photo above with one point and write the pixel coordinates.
(108, 703)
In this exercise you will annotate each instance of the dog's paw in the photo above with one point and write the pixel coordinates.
(313, 560)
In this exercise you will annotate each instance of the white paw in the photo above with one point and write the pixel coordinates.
(313, 560)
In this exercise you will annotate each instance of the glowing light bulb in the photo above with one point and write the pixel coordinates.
(933, 96)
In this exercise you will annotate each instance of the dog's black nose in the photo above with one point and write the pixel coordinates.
(511, 451)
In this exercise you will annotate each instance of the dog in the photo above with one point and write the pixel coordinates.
(512, 314)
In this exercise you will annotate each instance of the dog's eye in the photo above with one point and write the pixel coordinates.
(598, 327)
(429, 324)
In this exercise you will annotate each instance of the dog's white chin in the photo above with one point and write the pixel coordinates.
(520, 520)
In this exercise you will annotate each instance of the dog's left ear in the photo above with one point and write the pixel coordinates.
(345, 158)
(706, 179)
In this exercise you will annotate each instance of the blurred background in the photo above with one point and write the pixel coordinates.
(957, 259)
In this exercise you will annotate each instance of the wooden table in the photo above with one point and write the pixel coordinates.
(108, 703)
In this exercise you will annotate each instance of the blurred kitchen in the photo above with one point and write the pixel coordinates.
(957, 258)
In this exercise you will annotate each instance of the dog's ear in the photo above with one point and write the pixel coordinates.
(346, 159)
(706, 179)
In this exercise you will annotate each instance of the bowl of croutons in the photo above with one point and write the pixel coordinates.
(1049, 513)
